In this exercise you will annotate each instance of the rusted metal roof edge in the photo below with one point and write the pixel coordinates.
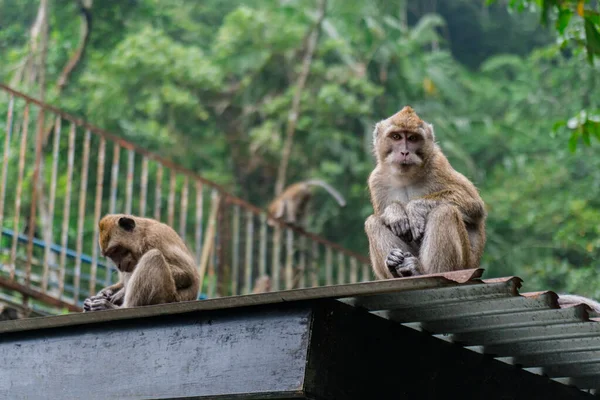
(336, 291)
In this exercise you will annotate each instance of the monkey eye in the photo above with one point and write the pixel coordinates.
(395, 136)
(413, 138)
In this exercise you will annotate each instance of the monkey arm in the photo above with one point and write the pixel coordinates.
(471, 208)
(395, 217)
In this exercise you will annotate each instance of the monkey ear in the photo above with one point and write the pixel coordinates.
(375, 132)
(127, 223)
(430, 128)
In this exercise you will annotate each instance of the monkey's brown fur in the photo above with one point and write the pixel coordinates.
(428, 218)
(155, 265)
(292, 202)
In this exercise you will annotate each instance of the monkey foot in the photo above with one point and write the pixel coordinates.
(402, 263)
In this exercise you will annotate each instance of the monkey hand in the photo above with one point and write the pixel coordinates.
(106, 293)
(417, 212)
(402, 263)
(394, 217)
(118, 297)
(98, 303)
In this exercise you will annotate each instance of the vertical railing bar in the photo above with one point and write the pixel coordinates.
(314, 277)
(35, 192)
(114, 183)
(289, 261)
(212, 266)
(184, 206)
(328, 267)
(22, 153)
(144, 187)
(213, 260)
(81, 214)
(262, 266)
(158, 192)
(199, 211)
(341, 269)
(97, 211)
(353, 270)
(66, 211)
(366, 271)
(302, 262)
(9, 127)
(235, 242)
(114, 178)
(276, 258)
(171, 204)
(51, 200)
(129, 181)
(249, 250)
(207, 248)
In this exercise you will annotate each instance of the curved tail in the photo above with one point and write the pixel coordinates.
(334, 193)
(566, 300)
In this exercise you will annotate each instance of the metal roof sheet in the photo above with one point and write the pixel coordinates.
(489, 316)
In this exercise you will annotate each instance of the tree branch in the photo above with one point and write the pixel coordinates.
(85, 7)
(295, 110)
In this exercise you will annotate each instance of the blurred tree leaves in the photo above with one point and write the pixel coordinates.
(209, 84)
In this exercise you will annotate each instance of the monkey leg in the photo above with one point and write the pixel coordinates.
(151, 282)
(445, 244)
(381, 243)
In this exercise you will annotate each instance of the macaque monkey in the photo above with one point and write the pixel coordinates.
(154, 264)
(568, 300)
(292, 203)
(262, 284)
(428, 218)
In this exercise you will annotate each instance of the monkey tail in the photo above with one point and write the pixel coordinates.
(334, 193)
(565, 300)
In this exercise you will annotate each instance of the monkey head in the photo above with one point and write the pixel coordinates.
(121, 240)
(403, 142)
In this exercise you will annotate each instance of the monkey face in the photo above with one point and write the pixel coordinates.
(404, 142)
(404, 149)
(119, 241)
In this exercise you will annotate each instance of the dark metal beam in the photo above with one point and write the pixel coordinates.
(319, 349)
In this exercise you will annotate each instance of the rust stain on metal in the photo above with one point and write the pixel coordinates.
(144, 187)
(81, 215)
(52, 200)
(66, 210)
(9, 126)
(22, 153)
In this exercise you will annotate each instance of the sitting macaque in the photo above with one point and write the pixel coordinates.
(428, 218)
(155, 266)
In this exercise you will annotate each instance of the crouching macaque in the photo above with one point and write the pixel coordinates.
(292, 203)
(428, 218)
(155, 266)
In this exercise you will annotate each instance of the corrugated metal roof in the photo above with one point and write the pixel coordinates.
(489, 316)
(527, 330)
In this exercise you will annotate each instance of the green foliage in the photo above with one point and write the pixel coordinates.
(210, 84)
(577, 23)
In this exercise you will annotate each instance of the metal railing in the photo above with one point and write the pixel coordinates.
(60, 175)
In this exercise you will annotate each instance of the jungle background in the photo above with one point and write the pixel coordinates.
(212, 84)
